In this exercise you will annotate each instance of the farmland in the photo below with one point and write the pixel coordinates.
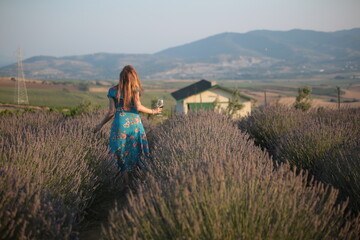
(65, 94)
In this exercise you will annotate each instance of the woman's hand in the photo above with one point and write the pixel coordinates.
(158, 110)
(97, 128)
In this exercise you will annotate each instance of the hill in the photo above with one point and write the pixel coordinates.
(252, 55)
(297, 45)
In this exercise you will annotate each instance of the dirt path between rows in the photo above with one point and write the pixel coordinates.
(97, 215)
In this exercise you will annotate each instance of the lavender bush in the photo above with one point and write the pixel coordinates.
(28, 212)
(325, 142)
(207, 180)
(305, 145)
(265, 125)
(343, 172)
(51, 168)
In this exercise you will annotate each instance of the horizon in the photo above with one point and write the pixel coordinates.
(66, 28)
(93, 53)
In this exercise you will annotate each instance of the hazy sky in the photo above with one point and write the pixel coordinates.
(72, 27)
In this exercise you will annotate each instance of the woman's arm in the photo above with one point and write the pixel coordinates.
(143, 109)
(108, 115)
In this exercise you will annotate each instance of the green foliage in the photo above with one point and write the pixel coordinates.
(303, 101)
(305, 105)
(234, 104)
(29, 110)
(153, 103)
(83, 108)
(9, 113)
(6, 113)
(152, 106)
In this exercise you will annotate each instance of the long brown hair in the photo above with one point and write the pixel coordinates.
(129, 84)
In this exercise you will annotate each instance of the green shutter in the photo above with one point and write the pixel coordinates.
(203, 106)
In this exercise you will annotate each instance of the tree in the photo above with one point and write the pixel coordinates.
(303, 100)
(217, 106)
(234, 104)
(153, 105)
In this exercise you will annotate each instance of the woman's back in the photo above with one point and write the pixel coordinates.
(128, 142)
(112, 93)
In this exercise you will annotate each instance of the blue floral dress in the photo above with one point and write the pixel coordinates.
(128, 142)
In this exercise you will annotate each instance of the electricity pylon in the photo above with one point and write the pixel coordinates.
(21, 96)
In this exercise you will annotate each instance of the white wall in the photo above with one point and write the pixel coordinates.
(179, 107)
(210, 96)
(245, 111)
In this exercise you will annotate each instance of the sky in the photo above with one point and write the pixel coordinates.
(76, 27)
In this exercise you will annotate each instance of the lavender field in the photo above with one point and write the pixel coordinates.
(279, 174)
(52, 167)
(324, 142)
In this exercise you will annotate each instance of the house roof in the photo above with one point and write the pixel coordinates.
(201, 86)
(192, 89)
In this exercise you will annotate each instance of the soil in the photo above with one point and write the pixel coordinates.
(9, 106)
(97, 215)
(354, 93)
(36, 84)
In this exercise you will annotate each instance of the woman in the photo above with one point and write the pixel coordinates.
(128, 141)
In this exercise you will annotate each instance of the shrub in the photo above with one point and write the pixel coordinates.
(59, 166)
(6, 113)
(324, 142)
(151, 129)
(343, 172)
(208, 181)
(83, 108)
(305, 145)
(303, 101)
(28, 212)
(267, 124)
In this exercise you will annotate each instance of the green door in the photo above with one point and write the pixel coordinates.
(203, 106)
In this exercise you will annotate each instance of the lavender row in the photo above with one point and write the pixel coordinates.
(325, 142)
(51, 168)
(207, 180)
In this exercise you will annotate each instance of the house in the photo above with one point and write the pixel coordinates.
(208, 96)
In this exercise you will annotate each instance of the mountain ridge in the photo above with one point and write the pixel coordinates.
(227, 55)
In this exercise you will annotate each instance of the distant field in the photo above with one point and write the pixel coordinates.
(324, 92)
(54, 98)
(66, 93)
